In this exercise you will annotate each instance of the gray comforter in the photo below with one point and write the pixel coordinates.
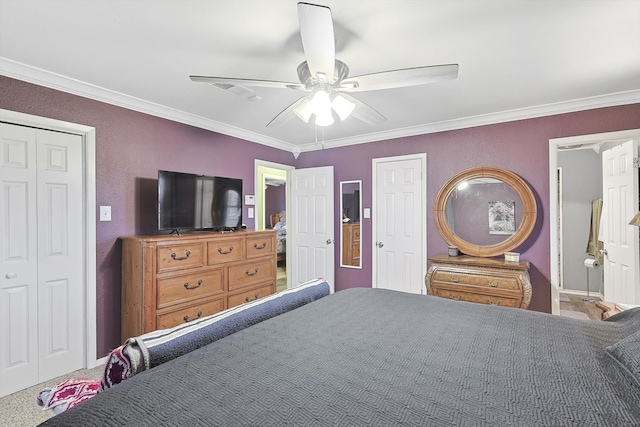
(376, 357)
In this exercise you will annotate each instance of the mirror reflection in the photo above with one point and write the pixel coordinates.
(484, 211)
(351, 211)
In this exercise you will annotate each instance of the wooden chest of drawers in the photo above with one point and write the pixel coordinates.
(480, 280)
(168, 280)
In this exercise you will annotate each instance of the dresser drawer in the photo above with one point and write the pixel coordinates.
(250, 295)
(184, 315)
(249, 273)
(225, 250)
(260, 246)
(179, 289)
(180, 256)
(461, 295)
(477, 278)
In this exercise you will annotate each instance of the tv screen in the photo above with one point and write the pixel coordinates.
(197, 202)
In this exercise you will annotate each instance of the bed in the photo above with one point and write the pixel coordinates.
(364, 357)
(278, 222)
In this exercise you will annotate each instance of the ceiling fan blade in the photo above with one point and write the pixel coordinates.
(364, 112)
(316, 30)
(400, 78)
(285, 115)
(247, 82)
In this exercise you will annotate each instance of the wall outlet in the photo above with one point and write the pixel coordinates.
(105, 213)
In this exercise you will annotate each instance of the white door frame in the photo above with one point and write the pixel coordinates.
(88, 135)
(553, 197)
(374, 238)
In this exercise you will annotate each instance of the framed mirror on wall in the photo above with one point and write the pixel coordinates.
(351, 213)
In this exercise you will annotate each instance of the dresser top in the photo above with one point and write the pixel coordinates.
(471, 261)
(198, 235)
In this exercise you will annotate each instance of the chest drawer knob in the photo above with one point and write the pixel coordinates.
(223, 252)
(455, 298)
(493, 283)
(248, 273)
(454, 279)
(186, 318)
(264, 245)
(490, 302)
(177, 258)
(186, 285)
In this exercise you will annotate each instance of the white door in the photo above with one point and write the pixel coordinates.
(399, 223)
(41, 280)
(619, 205)
(310, 229)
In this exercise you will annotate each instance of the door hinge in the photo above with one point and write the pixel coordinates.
(636, 162)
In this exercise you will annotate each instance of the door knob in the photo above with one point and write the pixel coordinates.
(380, 244)
(11, 275)
(329, 241)
(604, 252)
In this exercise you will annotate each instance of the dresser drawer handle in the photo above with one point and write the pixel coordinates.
(225, 252)
(454, 279)
(186, 285)
(186, 318)
(455, 298)
(177, 258)
(247, 298)
(264, 245)
(493, 283)
(248, 273)
(496, 302)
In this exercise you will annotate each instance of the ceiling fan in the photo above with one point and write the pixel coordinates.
(327, 79)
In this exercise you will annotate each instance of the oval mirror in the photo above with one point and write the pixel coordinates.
(485, 211)
(350, 208)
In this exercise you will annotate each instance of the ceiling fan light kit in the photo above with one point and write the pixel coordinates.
(328, 95)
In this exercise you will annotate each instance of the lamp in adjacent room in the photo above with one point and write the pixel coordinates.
(635, 220)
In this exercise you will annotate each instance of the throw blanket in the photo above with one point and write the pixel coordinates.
(155, 348)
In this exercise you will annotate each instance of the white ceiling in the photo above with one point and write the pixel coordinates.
(517, 59)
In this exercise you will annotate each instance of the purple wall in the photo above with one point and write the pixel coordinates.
(130, 148)
(274, 201)
(520, 146)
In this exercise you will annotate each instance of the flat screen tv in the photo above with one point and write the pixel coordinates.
(197, 202)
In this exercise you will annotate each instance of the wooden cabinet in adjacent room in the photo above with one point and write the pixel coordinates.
(168, 280)
(351, 244)
(482, 280)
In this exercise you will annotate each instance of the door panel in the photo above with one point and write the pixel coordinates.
(310, 225)
(620, 203)
(60, 285)
(399, 225)
(19, 259)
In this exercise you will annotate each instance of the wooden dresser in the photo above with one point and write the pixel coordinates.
(168, 280)
(351, 244)
(480, 280)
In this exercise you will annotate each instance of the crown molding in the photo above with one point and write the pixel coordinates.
(56, 81)
(62, 83)
(609, 100)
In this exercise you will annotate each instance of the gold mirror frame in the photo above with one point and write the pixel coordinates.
(529, 211)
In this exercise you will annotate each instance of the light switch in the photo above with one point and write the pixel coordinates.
(367, 212)
(250, 212)
(105, 213)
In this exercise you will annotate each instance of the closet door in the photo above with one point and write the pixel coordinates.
(41, 276)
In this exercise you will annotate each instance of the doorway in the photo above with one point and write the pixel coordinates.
(271, 202)
(53, 294)
(399, 223)
(573, 150)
